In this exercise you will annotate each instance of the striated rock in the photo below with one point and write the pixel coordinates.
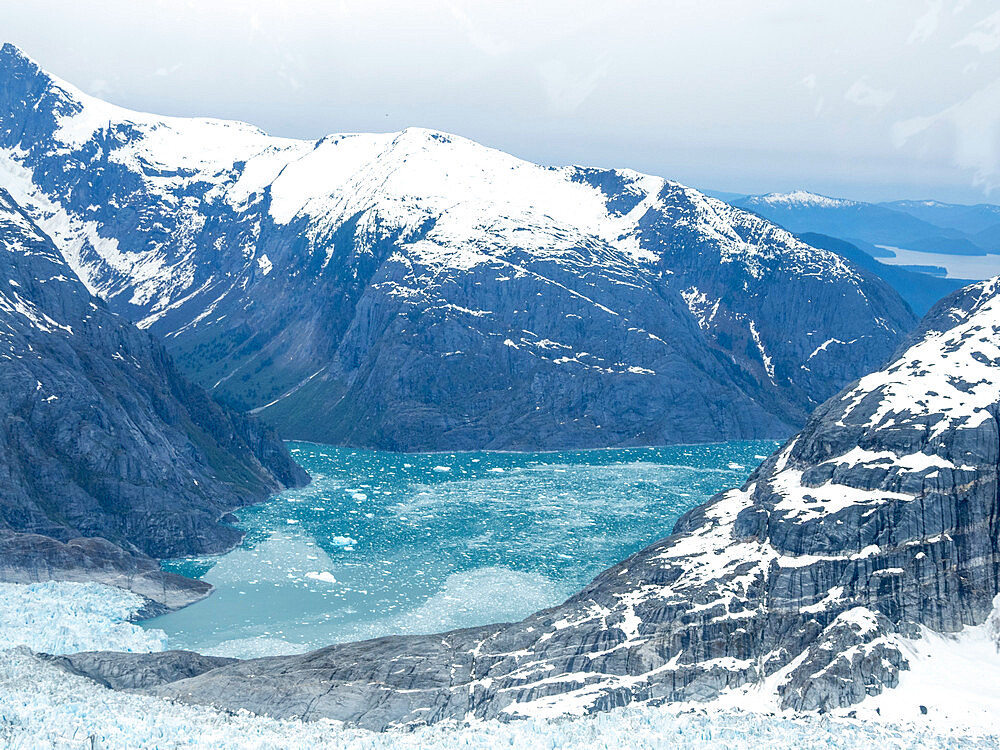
(851, 659)
(417, 291)
(108, 456)
(136, 671)
(880, 518)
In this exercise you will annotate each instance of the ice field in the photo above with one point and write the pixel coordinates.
(42, 707)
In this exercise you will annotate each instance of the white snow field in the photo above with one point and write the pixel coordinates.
(43, 707)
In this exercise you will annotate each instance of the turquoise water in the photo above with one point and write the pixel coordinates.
(384, 543)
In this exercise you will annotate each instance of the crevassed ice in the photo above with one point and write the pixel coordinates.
(42, 707)
(64, 618)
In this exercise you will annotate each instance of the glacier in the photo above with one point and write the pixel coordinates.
(61, 617)
(42, 706)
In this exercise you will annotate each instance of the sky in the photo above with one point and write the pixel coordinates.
(867, 99)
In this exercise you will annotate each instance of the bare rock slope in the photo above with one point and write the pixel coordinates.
(418, 291)
(108, 456)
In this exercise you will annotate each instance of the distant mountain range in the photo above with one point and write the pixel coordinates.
(418, 291)
(980, 223)
(869, 233)
(926, 226)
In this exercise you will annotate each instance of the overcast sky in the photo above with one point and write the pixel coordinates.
(874, 99)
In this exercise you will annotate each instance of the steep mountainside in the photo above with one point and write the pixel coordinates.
(920, 290)
(880, 518)
(415, 290)
(101, 437)
(878, 224)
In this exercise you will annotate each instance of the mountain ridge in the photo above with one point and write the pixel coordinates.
(417, 291)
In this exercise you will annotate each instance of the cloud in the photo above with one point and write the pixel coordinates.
(973, 127)
(985, 36)
(565, 89)
(100, 87)
(164, 71)
(489, 45)
(863, 94)
(925, 25)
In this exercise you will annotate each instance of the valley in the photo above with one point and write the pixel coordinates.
(389, 439)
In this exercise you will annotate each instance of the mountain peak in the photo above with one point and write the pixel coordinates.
(11, 50)
(13, 59)
(801, 198)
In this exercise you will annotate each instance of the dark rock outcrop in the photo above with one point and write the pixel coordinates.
(920, 290)
(108, 456)
(417, 291)
(880, 518)
(32, 558)
(137, 671)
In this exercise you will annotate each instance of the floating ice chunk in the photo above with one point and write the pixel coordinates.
(324, 576)
(359, 496)
(442, 469)
(343, 541)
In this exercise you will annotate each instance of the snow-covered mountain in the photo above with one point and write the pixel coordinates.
(811, 587)
(416, 290)
(108, 456)
(799, 199)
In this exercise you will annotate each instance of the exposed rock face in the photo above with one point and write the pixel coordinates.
(879, 518)
(920, 290)
(415, 290)
(32, 558)
(135, 671)
(108, 457)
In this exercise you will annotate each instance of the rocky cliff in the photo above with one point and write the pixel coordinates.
(108, 456)
(417, 291)
(878, 520)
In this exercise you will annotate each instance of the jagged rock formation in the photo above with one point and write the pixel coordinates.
(108, 456)
(415, 290)
(879, 518)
